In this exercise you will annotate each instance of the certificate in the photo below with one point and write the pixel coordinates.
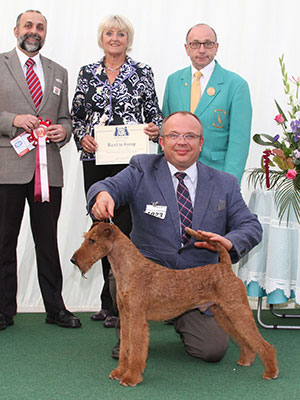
(118, 143)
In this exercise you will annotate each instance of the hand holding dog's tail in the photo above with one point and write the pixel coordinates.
(214, 242)
(210, 239)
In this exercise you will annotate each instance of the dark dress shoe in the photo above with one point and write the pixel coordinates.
(115, 351)
(5, 321)
(100, 316)
(110, 321)
(64, 318)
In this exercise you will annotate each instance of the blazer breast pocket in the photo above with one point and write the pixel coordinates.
(220, 118)
(218, 207)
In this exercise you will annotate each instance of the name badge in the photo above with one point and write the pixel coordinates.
(156, 211)
(21, 144)
(56, 90)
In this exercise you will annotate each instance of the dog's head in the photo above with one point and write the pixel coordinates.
(98, 243)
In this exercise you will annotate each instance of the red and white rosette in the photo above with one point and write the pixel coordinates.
(41, 184)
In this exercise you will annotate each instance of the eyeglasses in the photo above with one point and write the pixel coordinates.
(196, 45)
(174, 137)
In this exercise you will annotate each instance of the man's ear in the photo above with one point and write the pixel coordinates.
(186, 48)
(161, 142)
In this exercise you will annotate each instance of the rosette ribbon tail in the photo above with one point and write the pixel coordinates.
(41, 183)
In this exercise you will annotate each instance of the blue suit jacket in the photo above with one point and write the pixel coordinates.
(225, 111)
(218, 207)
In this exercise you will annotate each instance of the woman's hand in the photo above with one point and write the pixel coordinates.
(152, 131)
(89, 144)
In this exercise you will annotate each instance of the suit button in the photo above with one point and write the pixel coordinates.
(179, 251)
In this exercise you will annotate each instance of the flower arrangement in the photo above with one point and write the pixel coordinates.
(280, 162)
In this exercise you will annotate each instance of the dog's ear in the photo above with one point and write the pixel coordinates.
(94, 224)
(107, 232)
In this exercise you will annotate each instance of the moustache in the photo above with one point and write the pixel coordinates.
(31, 36)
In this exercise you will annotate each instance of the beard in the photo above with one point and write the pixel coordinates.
(30, 47)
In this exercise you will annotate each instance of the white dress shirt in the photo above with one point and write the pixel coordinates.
(206, 74)
(38, 68)
(190, 179)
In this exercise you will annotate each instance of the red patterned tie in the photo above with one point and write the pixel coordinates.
(34, 83)
(185, 206)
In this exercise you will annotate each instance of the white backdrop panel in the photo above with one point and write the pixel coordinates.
(252, 35)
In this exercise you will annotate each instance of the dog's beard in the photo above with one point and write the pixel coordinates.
(84, 264)
(84, 268)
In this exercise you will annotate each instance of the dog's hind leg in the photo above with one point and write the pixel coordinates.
(247, 355)
(138, 347)
(244, 330)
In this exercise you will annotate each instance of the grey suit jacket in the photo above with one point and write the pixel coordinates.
(15, 99)
(219, 207)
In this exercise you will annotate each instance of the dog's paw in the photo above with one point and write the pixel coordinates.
(246, 357)
(130, 379)
(271, 374)
(245, 362)
(116, 374)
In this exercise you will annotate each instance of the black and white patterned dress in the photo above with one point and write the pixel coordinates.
(131, 99)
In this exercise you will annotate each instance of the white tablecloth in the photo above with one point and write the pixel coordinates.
(272, 268)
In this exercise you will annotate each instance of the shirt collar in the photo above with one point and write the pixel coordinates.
(206, 70)
(23, 58)
(191, 171)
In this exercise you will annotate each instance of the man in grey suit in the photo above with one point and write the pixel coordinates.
(150, 185)
(20, 112)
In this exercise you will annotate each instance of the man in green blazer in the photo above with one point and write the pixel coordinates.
(224, 107)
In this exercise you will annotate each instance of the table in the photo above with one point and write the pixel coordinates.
(272, 268)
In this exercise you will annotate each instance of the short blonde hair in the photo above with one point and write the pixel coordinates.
(118, 22)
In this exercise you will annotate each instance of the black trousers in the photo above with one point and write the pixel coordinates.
(122, 218)
(43, 220)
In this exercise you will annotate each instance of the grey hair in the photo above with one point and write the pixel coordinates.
(20, 15)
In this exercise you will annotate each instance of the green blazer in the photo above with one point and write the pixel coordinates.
(225, 111)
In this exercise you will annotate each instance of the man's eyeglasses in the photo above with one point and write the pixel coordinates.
(189, 137)
(196, 45)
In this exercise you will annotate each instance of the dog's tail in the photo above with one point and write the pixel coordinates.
(223, 253)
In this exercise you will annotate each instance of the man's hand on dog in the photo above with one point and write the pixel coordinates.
(103, 207)
(214, 237)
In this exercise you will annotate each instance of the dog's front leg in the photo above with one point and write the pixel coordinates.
(118, 372)
(138, 347)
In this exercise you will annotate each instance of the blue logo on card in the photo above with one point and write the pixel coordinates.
(121, 131)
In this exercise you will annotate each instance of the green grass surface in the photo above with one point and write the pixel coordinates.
(45, 362)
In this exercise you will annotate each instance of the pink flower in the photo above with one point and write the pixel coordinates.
(291, 174)
(279, 118)
(295, 80)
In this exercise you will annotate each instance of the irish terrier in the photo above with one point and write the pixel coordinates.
(148, 291)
